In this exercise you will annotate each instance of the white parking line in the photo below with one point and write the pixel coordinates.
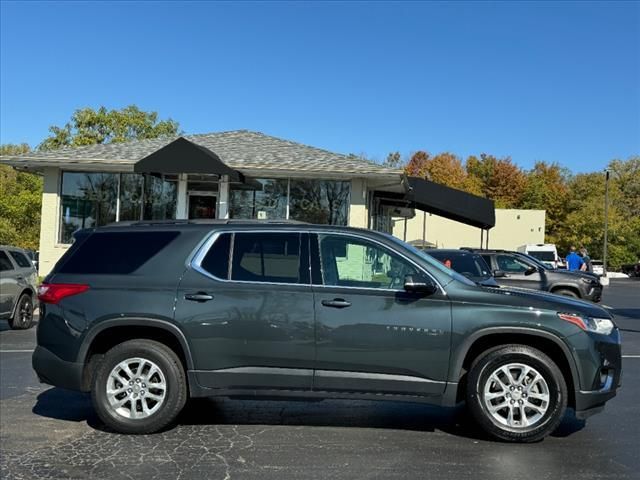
(630, 356)
(16, 351)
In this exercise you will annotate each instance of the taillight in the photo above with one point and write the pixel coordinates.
(54, 292)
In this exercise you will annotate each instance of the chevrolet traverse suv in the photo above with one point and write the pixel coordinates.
(145, 315)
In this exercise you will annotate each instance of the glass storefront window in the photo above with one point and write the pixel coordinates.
(130, 196)
(313, 201)
(87, 200)
(259, 199)
(320, 201)
(91, 200)
(160, 198)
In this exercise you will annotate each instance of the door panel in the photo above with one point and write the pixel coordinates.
(376, 337)
(249, 334)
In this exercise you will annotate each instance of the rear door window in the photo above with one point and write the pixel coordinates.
(5, 263)
(116, 253)
(267, 257)
(21, 259)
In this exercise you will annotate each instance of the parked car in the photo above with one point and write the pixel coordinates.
(598, 267)
(547, 253)
(18, 287)
(631, 269)
(145, 315)
(469, 264)
(515, 269)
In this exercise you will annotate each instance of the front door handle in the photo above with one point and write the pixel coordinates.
(336, 303)
(198, 297)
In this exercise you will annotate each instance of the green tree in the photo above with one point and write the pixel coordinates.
(21, 192)
(547, 189)
(90, 127)
(20, 199)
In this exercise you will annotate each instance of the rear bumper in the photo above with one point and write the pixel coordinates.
(53, 370)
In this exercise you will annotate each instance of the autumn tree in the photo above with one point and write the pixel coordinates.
(547, 189)
(498, 179)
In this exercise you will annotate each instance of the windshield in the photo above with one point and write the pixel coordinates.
(470, 265)
(544, 256)
(430, 260)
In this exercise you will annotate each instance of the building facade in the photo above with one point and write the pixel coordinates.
(513, 228)
(232, 175)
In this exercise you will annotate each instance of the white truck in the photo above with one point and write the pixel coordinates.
(547, 253)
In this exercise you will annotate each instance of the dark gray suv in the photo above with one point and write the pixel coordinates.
(145, 315)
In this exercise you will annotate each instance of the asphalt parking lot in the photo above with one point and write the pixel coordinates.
(48, 432)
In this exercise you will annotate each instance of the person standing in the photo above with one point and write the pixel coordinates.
(586, 266)
(574, 262)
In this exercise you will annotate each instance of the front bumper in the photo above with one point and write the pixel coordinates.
(593, 293)
(53, 370)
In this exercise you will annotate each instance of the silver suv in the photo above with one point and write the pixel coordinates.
(18, 287)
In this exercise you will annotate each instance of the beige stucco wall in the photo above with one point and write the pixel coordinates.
(358, 212)
(513, 229)
(50, 249)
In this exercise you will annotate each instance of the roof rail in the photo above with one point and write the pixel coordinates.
(205, 221)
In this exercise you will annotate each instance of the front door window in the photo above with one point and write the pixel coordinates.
(202, 206)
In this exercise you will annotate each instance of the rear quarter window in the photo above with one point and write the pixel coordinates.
(21, 259)
(116, 253)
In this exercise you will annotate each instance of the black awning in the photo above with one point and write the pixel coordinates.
(183, 156)
(450, 203)
(445, 201)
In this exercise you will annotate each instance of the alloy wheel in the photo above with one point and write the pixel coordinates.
(516, 396)
(136, 388)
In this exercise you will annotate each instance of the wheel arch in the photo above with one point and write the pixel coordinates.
(564, 286)
(109, 333)
(28, 290)
(486, 339)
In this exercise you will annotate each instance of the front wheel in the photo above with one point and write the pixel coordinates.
(139, 387)
(516, 393)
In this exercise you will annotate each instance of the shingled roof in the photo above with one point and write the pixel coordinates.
(241, 149)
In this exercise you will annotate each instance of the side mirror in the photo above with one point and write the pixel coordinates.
(499, 274)
(530, 271)
(419, 285)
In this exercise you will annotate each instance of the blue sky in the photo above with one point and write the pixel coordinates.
(536, 81)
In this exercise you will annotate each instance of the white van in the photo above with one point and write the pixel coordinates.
(547, 253)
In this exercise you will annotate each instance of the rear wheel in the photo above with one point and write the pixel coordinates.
(139, 387)
(23, 316)
(516, 393)
(566, 293)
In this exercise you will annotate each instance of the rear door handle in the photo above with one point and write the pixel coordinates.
(336, 303)
(198, 297)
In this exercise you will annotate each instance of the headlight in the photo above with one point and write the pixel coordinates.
(589, 281)
(603, 326)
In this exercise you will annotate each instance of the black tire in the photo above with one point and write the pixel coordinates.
(480, 375)
(565, 292)
(174, 375)
(23, 316)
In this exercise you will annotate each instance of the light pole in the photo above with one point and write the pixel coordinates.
(606, 222)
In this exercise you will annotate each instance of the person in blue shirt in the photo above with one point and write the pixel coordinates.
(574, 262)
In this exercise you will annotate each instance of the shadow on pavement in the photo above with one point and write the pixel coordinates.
(76, 407)
(62, 404)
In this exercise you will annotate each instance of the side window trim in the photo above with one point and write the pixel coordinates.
(318, 262)
(202, 251)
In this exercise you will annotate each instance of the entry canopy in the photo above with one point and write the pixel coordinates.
(451, 203)
(183, 156)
